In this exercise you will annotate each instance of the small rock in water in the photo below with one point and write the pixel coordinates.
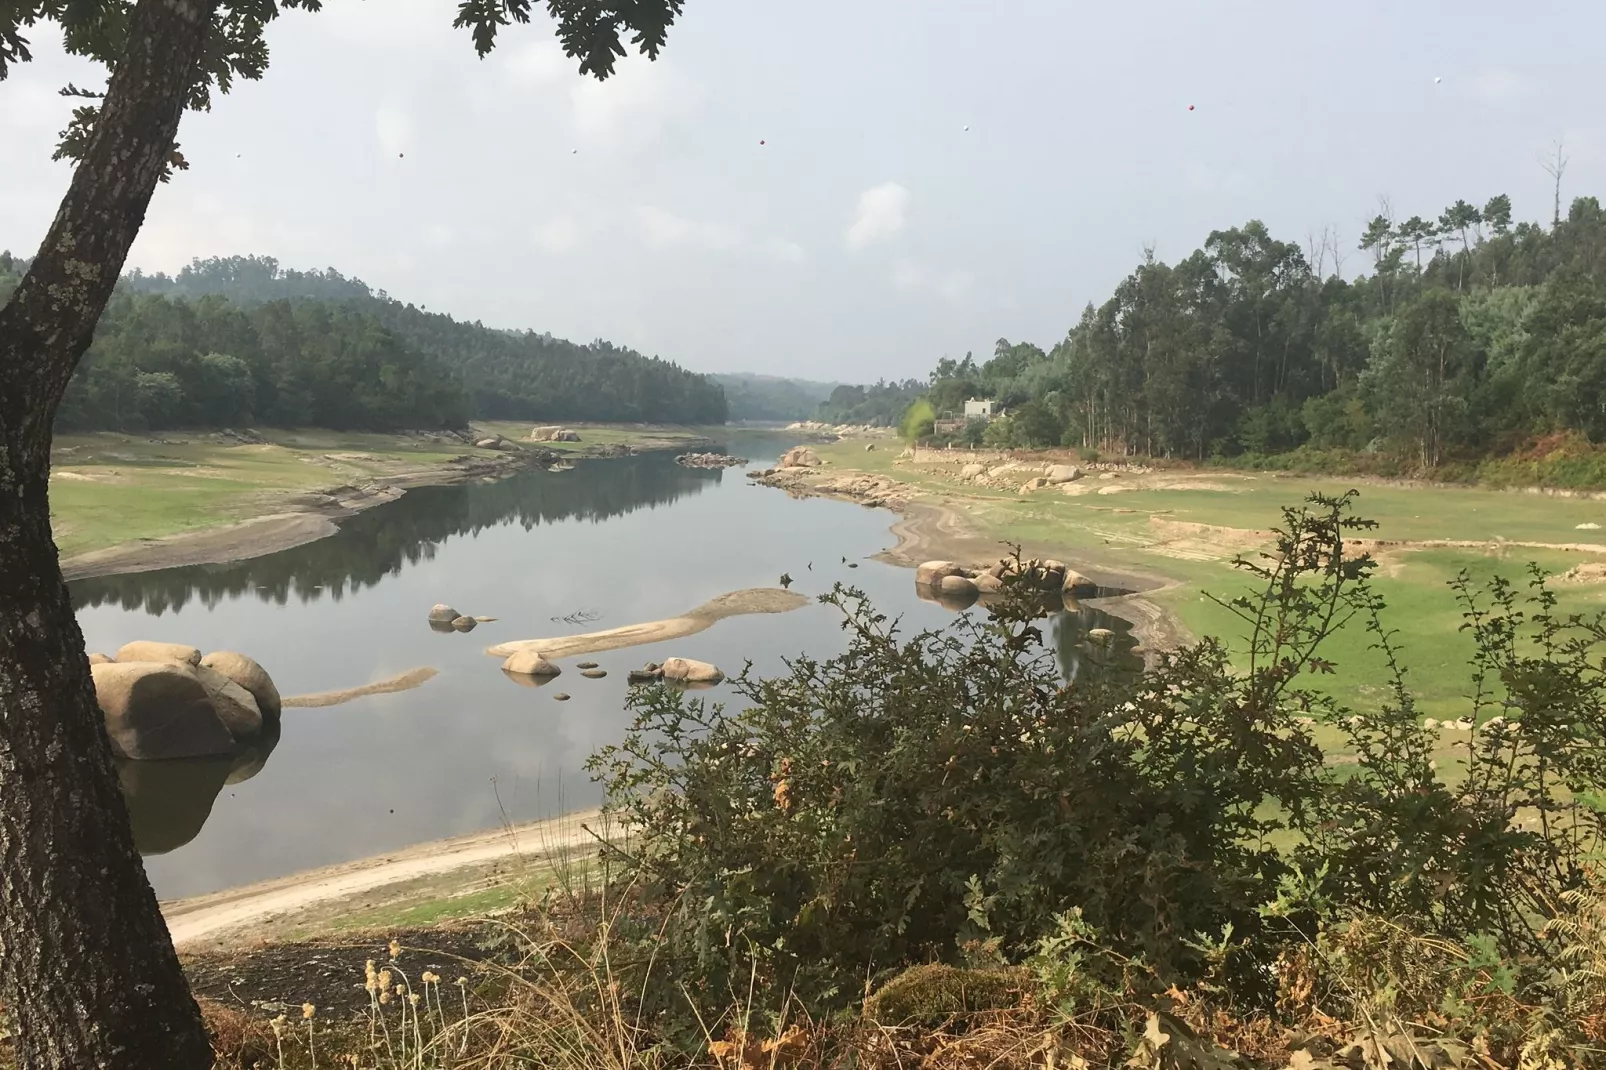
(585, 665)
(560, 697)
(465, 624)
(594, 674)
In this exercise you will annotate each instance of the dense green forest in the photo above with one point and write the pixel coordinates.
(878, 405)
(1469, 336)
(240, 340)
(772, 398)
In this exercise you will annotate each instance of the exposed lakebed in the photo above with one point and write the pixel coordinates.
(611, 543)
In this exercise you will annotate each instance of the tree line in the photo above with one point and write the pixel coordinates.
(240, 340)
(1469, 336)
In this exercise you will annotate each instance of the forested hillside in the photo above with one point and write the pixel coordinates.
(1465, 336)
(770, 397)
(240, 340)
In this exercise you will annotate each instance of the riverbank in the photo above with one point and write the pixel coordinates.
(1179, 531)
(133, 503)
(424, 882)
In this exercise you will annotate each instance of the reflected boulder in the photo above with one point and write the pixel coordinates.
(159, 710)
(148, 651)
(526, 680)
(169, 802)
(249, 762)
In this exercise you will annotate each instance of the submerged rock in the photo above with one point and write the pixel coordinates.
(530, 663)
(686, 670)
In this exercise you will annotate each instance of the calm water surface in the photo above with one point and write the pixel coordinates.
(625, 540)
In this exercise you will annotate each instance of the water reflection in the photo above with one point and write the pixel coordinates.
(381, 542)
(169, 802)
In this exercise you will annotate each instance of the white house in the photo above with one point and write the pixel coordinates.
(981, 407)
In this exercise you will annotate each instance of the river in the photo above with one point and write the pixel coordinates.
(609, 543)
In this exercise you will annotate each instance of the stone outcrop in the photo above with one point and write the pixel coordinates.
(160, 704)
(684, 670)
(157, 710)
(800, 457)
(251, 676)
(709, 460)
(148, 651)
(441, 613)
(530, 663)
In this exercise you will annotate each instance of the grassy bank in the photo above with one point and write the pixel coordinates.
(1189, 525)
(112, 489)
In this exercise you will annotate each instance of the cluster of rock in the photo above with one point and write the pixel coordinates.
(538, 668)
(443, 618)
(494, 442)
(841, 430)
(554, 434)
(799, 457)
(164, 700)
(1009, 474)
(709, 460)
(1049, 576)
(677, 671)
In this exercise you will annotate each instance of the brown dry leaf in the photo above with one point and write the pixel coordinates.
(1168, 1044)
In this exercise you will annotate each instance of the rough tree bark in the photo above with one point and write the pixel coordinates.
(88, 974)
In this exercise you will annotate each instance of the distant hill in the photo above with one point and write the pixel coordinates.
(514, 375)
(770, 397)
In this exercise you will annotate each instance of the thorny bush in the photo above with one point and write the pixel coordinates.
(946, 797)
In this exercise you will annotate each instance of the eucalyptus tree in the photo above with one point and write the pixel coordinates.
(88, 974)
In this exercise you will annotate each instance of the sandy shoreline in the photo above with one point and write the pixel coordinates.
(281, 528)
(212, 918)
(734, 604)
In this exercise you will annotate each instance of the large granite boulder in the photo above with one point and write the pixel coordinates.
(441, 613)
(684, 670)
(157, 710)
(931, 573)
(232, 704)
(249, 675)
(530, 663)
(800, 457)
(148, 651)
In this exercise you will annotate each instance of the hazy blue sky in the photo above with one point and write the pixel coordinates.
(872, 234)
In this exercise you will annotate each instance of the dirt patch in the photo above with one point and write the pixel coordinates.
(734, 604)
(404, 682)
(1589, 572)
(1204, 542)
(330, 974)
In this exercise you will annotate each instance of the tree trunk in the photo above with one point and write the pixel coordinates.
(87, 970)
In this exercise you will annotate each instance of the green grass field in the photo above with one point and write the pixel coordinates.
(109, 489)
(1130, 531)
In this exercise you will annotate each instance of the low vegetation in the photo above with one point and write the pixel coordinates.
(930, 851)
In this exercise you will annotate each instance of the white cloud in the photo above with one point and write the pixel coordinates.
(914, 277)
(633, 107)
(663, 229)
(882, 213)
(788, 252)
(1498, 83)
(560, 234)
(394, 129)
(540, 63)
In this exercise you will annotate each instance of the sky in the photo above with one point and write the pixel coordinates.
(792, 189)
